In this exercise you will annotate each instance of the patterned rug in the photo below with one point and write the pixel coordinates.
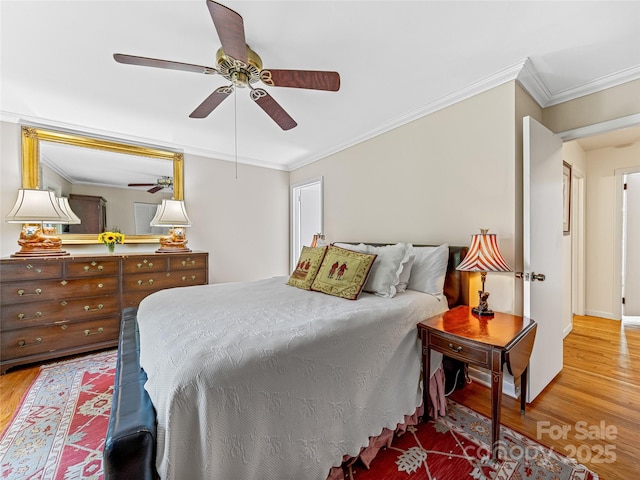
(60, 428)
(457, 447)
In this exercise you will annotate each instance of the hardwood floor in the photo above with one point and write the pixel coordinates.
(595, 399)
(591, 410)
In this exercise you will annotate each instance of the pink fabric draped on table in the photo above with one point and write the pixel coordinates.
(438, 404)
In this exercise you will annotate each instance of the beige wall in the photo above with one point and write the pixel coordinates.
(601, 213)
(616, 102)
(437, 179)
(243, 223)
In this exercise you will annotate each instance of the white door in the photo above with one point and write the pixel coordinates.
(631, 276)
(542, 240)
(306, 215)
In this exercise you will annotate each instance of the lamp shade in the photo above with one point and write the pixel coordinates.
(73, 219)
(171, 213)
(36, 206)
(484, 255)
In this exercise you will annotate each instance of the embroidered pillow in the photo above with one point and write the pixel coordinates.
(307, 267)
(343, 273)
(385, 272)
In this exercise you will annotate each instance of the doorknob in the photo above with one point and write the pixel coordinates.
(533, 276)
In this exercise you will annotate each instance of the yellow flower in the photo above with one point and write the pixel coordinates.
(109, 238)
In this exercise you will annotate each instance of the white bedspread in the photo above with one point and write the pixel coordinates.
(265, 381)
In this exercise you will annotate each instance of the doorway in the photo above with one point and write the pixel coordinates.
(307, 213)
(630, 241)
(609, 150)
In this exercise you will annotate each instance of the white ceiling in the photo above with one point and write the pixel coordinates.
(397, 60)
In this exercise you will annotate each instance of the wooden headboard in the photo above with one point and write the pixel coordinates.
(456, 283)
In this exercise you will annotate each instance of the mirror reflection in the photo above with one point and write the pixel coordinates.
(110, 185)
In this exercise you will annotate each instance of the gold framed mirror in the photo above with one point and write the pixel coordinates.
(31, 168)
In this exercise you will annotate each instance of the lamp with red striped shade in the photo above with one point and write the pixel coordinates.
(483, 256)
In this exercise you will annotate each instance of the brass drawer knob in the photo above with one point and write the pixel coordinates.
(93, 264)
(30, 267)
(87, 308)
(22, 316)
(98, 331)
(23, 293)
(23, 344)
(140, 265)
(63, 303)
(457, 349)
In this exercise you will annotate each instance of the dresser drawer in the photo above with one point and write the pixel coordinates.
(29, 270)
(133, 293)
(21, 315)
(188, 262)
(51, 338)
(92, 268)
(22, 292)
(460, 350)
(144, 264)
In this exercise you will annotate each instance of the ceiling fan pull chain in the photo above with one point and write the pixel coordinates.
(235, 126)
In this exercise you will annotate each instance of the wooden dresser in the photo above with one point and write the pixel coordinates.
(57, 306)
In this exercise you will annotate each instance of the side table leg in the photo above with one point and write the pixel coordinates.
(524, 380)
(496, 401)
(426, 368)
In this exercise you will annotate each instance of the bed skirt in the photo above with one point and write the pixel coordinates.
(437, 407)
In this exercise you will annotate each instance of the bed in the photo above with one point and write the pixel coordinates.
(262, 380)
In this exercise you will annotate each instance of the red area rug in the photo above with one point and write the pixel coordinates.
(457, 447)
(59, 430)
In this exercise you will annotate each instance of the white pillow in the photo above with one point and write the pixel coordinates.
(385, 272)
(429, 269)
(403, 279)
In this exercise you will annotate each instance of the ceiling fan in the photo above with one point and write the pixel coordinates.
(236, 62)
(163, 182)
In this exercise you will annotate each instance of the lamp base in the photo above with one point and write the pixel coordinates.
(482, 310)
(173, 250)
(36, 243)
(176, 242)
(482, 313)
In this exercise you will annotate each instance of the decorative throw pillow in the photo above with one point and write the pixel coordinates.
(343, 273)
(307, 267)
(429, 269)
(385, 272)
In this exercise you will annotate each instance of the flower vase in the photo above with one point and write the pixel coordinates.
(112, 247)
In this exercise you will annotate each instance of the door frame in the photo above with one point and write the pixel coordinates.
(618, 238)
(293, 211)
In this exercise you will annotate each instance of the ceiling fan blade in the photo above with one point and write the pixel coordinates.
(140, 184)
(155, 189)
(311, 79)
(230, 28)
(154, 62)
(211, 102)
(272, 108)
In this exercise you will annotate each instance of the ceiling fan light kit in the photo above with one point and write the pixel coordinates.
(236, 62)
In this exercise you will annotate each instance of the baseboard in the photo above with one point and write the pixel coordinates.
(596, 313)
(483, 377)
(567, 330)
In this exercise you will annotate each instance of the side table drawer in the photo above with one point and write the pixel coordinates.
(460, 350)
(144, 264)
